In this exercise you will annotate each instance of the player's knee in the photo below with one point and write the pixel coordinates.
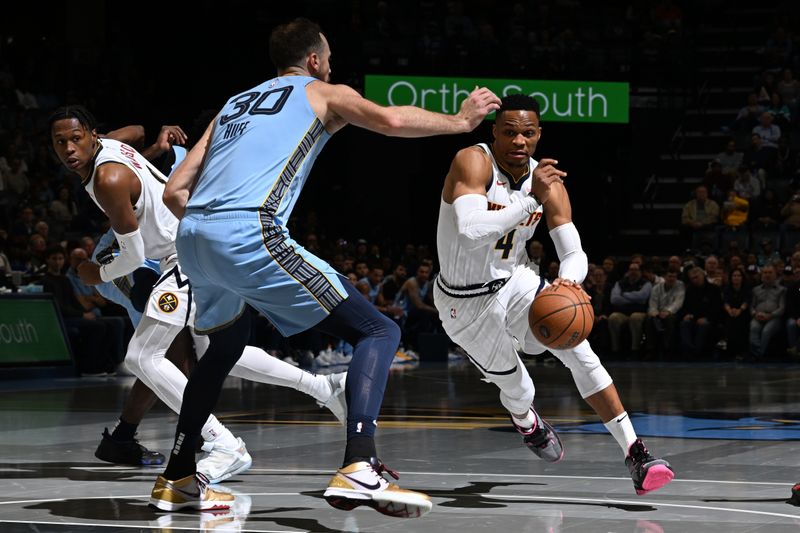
(381, 326)
(393, 332)
(587, 371)
(134, 358)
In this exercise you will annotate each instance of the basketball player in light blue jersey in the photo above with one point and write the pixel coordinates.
(234, 193)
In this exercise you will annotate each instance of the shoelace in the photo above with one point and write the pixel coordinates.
(639, 453)
(381, 468)
(202, 482)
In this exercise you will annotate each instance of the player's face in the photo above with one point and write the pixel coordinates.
(323, 68)
(74, 144)
(515, 136)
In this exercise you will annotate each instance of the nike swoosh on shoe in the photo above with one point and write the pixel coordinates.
(368, 486)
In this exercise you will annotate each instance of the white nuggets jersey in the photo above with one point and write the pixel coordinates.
(157, 224)
(463, 263)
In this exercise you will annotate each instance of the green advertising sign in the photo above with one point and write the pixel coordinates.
(30, 331)
(560, 101)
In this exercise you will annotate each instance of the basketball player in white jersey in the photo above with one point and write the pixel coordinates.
(129, 189)
(493, 198)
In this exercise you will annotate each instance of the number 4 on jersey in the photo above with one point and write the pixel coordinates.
(506, 243)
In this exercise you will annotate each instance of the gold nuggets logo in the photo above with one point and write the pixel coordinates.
(168, 302)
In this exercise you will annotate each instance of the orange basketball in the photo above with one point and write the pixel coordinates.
(561, 317)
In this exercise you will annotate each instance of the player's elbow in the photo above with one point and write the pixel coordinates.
(169, 197)
(391, 123)
(472, 236)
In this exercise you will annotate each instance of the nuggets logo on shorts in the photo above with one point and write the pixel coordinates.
(168, 302)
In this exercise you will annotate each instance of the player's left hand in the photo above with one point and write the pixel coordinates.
(89, 273)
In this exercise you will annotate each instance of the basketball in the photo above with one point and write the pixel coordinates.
(561, 317)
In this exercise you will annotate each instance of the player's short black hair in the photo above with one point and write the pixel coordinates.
(518, 102)
(290, 43)
(83, 116)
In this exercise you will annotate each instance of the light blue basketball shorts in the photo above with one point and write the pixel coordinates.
(234, 257)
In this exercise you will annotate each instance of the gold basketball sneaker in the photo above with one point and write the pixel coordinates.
(362, 483)
(190, 492)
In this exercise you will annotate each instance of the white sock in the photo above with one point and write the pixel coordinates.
(214, 431)
(257, 365)
(525, 423)
(315, 386)
(621, 428)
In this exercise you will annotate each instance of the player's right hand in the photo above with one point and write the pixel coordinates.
(544, 175)
(478, 104)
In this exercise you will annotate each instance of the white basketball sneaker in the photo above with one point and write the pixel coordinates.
(336, 403)
(362, 483)
(222, 463)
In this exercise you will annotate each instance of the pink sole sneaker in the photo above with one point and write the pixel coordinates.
(657, 476)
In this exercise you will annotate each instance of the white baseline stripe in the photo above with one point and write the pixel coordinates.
(639, 502)
(132, 526)
(136, 497)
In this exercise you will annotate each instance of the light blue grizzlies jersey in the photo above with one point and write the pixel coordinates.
(264, 143)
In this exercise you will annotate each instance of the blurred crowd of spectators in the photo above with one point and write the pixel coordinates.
(735, 307)
(44, 213)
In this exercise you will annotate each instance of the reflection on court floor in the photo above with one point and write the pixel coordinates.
(735, 450)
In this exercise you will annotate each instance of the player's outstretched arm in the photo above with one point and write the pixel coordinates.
(181, 184)
(115, 186)
(132, 135)
(168, 136)
(407, 121)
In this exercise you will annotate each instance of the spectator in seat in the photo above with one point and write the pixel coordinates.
(599, 290)
(717, 182)
(702, 309)
(793, 316)
(97, 354)
(666, 300)
(730, 159)
(629, 299)
(736, 298)
(416, 299)
(746, 185)
(701, 212)
(769, 132)
(766, 310)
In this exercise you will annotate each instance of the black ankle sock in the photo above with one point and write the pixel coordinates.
(181, 460)
(359, 449)
(124, 431)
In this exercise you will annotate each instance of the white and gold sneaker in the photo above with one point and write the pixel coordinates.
(190, 492)
(362, 483)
